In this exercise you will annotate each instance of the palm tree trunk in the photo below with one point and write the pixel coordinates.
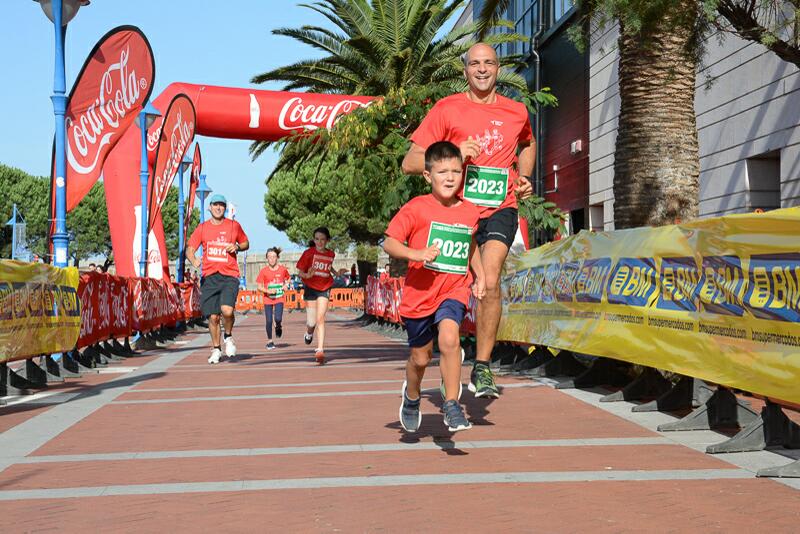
(656, 163)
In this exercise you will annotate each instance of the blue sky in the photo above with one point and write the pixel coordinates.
(200, 41)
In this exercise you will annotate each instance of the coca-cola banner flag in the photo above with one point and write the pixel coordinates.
(113, 85)
(194, 181)
(177, 133)
(105, 308)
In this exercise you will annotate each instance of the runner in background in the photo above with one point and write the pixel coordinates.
(496, 142)
(315, 267)
(221, 240)
(273, 280)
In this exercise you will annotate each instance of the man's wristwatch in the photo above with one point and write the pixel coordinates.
(238, 248)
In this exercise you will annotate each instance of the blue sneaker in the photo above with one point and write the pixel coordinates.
(454, 418)
(410, 416)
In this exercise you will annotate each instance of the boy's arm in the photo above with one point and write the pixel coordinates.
(398, 250)
(479, 285)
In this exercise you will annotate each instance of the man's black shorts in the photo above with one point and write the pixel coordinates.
(217, 290)
(499, 226)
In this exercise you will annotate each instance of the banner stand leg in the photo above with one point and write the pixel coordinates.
(116, 348)
(70, 362)
(539, 356)
(686, 394)
(54, 368)
(13, 384)
(602, 372)
(504, 355)
(91, 354)
(791, 470)
(128, 349)
(771, 429)
(722, 410)
(650, 384)
(105, 350)
(37, 374)
(145, 342)
(564, 364)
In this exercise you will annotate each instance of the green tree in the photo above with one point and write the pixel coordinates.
(31, 195)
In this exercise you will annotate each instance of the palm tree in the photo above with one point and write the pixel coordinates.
(656, 161)
(378, 47)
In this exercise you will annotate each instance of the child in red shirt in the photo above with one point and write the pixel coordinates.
(434, 233)
(273, 280)
(315, 267)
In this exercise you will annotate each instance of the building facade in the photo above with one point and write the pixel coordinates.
(747, 103)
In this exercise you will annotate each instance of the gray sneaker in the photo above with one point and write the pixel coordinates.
(454, 418)
(410, 416)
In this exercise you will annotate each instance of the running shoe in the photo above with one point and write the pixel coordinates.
(410, 416)
(320, 356)
(481, 382)
(270, 346)
(230, 347)
(308, 338)
(454, 418)
(216, 354)
(278, 330)
(460, 385)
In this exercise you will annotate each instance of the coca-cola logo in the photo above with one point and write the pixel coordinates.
(154, 136)
(180, 135)
(296, 115)
(88, 133)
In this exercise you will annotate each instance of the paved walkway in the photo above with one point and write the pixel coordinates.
(272, 442)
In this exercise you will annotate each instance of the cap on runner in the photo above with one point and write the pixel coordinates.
(217, 198)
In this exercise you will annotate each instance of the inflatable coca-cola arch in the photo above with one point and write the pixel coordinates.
(227, 112)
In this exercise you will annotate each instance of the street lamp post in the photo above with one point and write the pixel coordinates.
(185, 164)
(147, 116)
(60, 12)
(202, 192)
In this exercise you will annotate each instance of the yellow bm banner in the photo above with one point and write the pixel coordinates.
(717, 299)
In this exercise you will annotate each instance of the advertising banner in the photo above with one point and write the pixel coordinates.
(177, 133)
(112, 87)
(39, 309)
(105, 308)
(194, 181)
(717, 299)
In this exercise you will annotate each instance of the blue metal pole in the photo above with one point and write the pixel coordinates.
(59, 98)
(14, 233)
(181, 253)
(143, 179)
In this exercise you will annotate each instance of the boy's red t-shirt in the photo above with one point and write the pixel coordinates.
(424, 289)
(268, 276)
(319, 264)
(499, 128)
(214, 238)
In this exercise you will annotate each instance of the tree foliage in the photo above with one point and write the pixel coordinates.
(87, 223)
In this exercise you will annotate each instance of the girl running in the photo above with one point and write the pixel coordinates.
(273, 280)
(315, 267)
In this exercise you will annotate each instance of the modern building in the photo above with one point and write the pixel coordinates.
(748, 112)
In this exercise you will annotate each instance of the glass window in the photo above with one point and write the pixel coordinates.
(560, 8)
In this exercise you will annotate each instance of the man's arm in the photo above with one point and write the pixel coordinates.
(414, 162)
(191, 256)
(527, 158)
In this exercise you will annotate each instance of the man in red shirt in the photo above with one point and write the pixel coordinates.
(494, 136)
(221, 240)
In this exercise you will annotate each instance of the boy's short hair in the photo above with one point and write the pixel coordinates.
(439, 151)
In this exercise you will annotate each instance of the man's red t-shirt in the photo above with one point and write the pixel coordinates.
(267, 276)
(214, 238)
(424, 289)
(499, 127)
(319, 265)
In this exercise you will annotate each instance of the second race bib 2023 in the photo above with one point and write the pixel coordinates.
(453, 241)
(485, 186)
(278, 288)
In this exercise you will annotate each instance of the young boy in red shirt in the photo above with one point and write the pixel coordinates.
(434, 233)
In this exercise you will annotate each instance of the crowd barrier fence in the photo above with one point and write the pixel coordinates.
(251, 300)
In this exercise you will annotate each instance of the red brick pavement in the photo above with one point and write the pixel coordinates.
(223, 421)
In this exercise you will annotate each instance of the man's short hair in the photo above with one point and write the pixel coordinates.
(439, 151)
